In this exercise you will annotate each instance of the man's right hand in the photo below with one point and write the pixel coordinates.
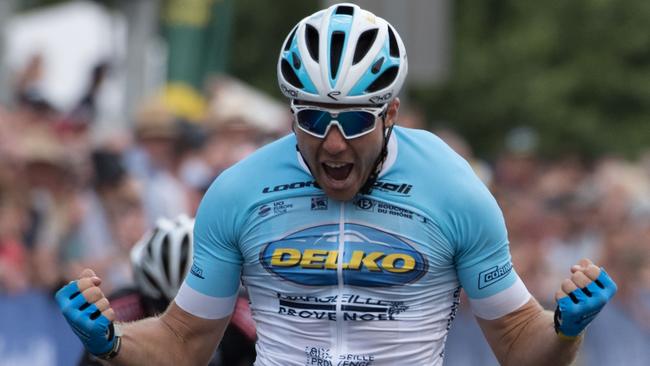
(88, 312)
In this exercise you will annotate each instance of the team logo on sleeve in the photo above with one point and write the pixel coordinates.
(371, 258)
(197, 271)
(493, 275)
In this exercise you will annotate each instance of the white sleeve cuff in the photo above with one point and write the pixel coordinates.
(502, 303)
(204, 306)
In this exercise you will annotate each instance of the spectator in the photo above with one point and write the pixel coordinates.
(154, 161)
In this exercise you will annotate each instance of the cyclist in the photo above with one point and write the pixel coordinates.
(160, 261)
(352, 236)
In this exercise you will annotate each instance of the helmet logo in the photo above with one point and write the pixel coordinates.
(379, 99)
(334, 94)
(287, 91)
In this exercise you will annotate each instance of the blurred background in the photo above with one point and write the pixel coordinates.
(115, 112)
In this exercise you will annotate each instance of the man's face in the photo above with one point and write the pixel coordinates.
(341, 166)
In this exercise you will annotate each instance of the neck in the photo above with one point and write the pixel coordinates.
(379, 163)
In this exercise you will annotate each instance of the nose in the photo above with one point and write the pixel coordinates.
(334, 141)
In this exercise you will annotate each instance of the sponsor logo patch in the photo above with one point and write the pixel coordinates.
(197, 271)
(401, 189)
(493, 275)
(264, 210)
(289, 186)
(280, 207)
(366, 204)
(370, 205)
(371, 258)
(353, 307)
(319, 203)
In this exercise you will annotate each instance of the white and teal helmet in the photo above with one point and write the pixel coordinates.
(163, 256)
(342, 54)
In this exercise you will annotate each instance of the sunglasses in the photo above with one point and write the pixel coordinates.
(352, 122)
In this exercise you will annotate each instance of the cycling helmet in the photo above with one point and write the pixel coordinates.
(342, 54)
(162, 258)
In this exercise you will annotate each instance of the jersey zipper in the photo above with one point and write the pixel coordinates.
(339, 298)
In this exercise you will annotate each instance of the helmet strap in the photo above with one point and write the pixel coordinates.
(379, 163)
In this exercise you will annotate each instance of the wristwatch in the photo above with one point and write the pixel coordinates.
(113, 331)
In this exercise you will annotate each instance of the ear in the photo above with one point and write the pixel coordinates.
(391, 112)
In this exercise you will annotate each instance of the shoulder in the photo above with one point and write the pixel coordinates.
(435, 168)
(445, 185)
(424, 155)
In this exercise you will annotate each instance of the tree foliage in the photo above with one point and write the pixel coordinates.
(259, 28)
(578, 72)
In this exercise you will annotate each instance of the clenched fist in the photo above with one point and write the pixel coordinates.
(581, 297)
(89, 314)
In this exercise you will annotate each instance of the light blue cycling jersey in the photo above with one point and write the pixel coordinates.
(370, 282)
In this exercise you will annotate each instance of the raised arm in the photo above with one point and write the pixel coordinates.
(173, 338)
(533, 336)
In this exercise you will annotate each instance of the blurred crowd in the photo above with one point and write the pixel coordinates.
(70, 199)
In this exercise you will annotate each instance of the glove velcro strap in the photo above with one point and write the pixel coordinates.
(113, 331)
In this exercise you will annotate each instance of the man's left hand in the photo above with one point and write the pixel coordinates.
(581, 298)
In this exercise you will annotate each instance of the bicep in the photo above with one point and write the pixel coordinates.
(199, 335)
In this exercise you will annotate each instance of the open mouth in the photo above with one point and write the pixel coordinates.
(337, 171)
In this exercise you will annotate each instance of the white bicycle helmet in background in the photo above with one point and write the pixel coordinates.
(342, 54)
(163, 257)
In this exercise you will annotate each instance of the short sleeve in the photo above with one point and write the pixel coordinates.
(211, 287)
(483, 260)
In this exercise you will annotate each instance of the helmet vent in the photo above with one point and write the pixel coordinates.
(153, 235)
(165, 248)
(344, 9)
(185, 248)
(290, 39)
(385, 79)
(290, 75)
(394, 50)
(336, 49)
(377, 66)
(312, 41)
(366, 39)
(152, 282)
(296, 60)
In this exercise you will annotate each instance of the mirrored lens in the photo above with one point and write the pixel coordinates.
(354, 123)
(314, 120)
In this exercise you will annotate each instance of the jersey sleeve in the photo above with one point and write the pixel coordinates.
(483, 261)
(211, 287)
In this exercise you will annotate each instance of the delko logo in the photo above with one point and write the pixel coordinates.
(371, 258)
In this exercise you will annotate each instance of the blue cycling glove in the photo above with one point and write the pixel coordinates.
(94, 329)
(574, 312)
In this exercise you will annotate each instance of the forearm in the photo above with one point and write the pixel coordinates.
(174, 338)
(538, 344)
(149, 342)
